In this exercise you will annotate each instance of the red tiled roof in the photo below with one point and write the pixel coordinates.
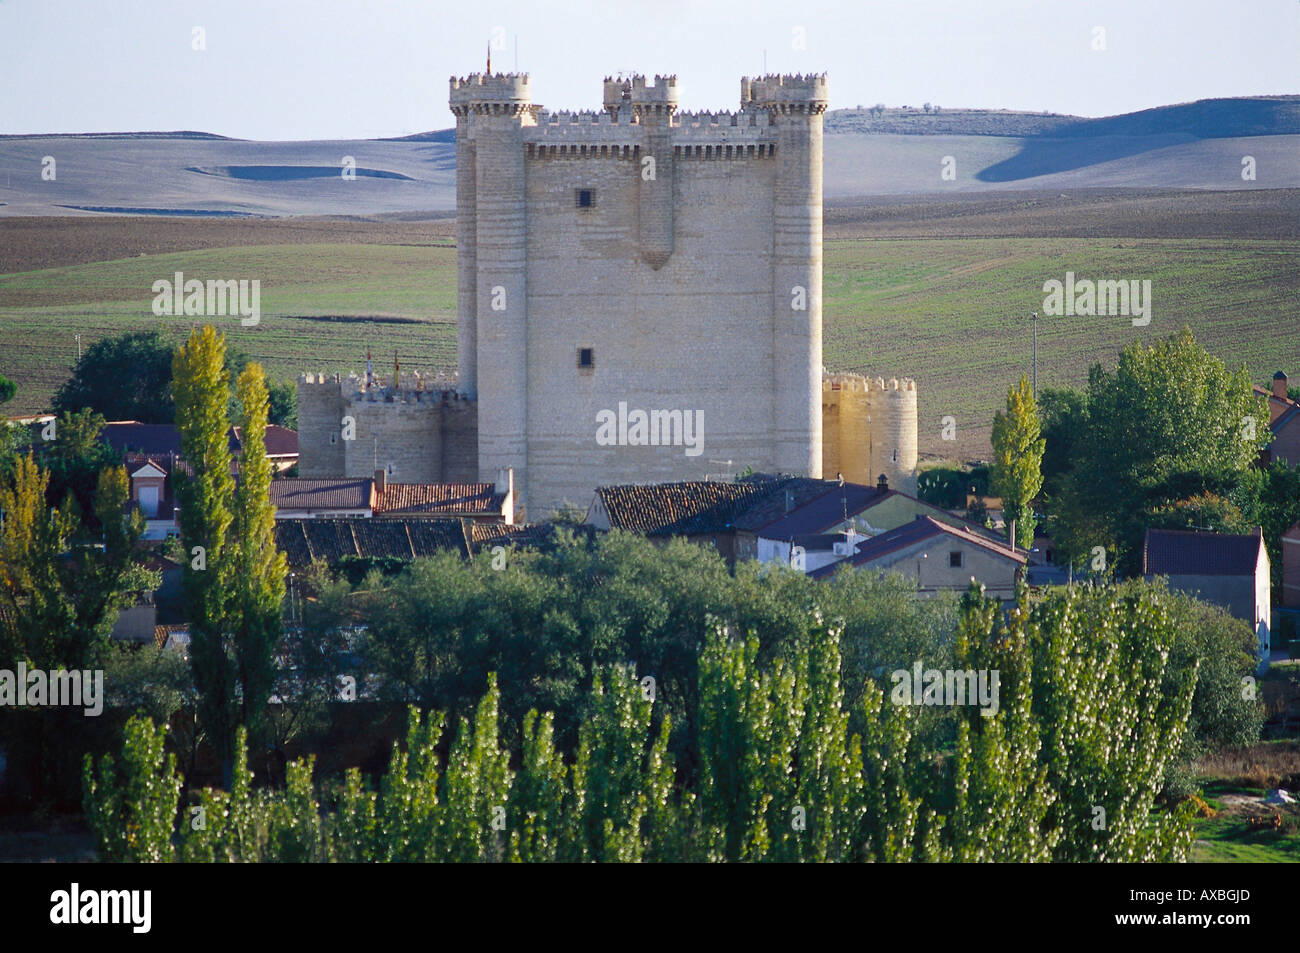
(160, 632)
(298, 493)
(1174, 552)
(279, 441)
(530, 536)
(444, 498)
(677, 509)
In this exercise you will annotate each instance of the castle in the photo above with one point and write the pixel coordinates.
(638, 263)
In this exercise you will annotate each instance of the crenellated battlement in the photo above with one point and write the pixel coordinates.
(847, 381)
(662, 90)
(786, 93)
(412, 388)
(491, 94)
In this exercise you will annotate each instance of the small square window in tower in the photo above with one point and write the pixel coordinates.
(954, 559)
(586, 358)
(585, 198)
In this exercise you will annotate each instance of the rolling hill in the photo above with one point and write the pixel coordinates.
(1192, 146)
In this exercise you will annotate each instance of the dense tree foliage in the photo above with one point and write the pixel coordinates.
(61, 589)
(129, 377)
(75, 458)
(1068, 767)
(123, 377)
(1169, 424)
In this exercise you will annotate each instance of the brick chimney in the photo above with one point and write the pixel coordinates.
(381, 480)
(1279, 385)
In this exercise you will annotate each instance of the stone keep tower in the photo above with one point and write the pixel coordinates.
(637, 259)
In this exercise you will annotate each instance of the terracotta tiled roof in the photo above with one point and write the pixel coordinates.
(451, 499)
(677, 509)
(302, 541)
(297, 493)
(909, 534)
(279, 441)
(1172, 552)
(533, 536)
(160, 633)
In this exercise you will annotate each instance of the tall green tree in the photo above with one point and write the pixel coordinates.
(206, 502)
(1016, 472)
(259, 568)
(234, 580)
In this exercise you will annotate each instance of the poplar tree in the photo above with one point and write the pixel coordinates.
(199, 384)
(1016, 472)
(259, 568)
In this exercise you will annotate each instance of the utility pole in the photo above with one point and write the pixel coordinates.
(78, 337)
(1035, 321)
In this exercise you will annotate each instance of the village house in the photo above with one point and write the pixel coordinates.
(1226, 569)
(1283, 423)
(937, 555)
(827, 521)
(799, 521)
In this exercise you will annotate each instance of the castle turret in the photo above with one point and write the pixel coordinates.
(796, 105)
(321, 447)
(617, 95)
(491, 112)
(653, 106)
(893, 450)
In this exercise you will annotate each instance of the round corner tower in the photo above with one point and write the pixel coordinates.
(894, 450)
(492, 322)
(796, 105)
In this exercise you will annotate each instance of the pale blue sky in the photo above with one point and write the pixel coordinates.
(321, 69)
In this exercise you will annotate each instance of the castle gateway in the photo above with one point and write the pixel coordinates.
(632, 257)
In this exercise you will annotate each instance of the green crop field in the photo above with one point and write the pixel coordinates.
(949, 312)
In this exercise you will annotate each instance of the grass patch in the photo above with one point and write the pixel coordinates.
(947, 312)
